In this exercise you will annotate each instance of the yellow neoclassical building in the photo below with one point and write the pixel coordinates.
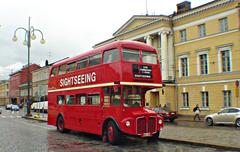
(199, 52)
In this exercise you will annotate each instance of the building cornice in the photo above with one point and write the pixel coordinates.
(202, 9)
(162, 18)
(154, 17)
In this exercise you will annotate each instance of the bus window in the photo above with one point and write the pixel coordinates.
(81, 99)
(131, 55)
(95, 60)
(132, 96)
(94, 99)
(107, 93)
(54, 72)
(69, 99)
(71, 66)
(82, 63)
(148, 57)
(62, 69)
(60, 99)
(115, 96)
(111, 56)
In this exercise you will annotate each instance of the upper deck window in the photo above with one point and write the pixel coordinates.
(111, 56)
(148, 57)
(95, 60)
(62, 69)
(82, 63)
(71, 66)
(131, 55)
(54, 72)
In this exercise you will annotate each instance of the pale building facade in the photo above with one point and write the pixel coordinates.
(199, 52)
(4, 92)
(40, 83)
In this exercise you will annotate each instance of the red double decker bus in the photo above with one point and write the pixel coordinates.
(103, 92)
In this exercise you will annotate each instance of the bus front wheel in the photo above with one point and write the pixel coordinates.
(60, 125)
(113, 133)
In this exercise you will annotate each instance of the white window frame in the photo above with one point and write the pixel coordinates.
(228, 97)
(202, 30)
(223, 24)
(221, 49)
(180, 65)
(199, 63)
(186, 101)
(183, 35)
(205, 99)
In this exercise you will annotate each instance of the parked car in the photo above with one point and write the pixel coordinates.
(8, 106)
(0, 110)
(167, 115)
(14, 108)
(230, 115)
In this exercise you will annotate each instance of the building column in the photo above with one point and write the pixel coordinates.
(171, 64)
(164, 54)
(148, 40)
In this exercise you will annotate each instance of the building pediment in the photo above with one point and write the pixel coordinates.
(135, 22)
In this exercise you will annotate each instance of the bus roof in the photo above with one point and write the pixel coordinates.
(126, 44)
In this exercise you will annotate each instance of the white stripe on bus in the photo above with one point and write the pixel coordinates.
(107, 84)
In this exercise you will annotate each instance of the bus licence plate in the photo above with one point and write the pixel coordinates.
(146, 134)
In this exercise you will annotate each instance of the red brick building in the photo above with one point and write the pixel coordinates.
(18, 84)
(14, 91)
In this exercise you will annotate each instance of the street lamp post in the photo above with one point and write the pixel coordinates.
(29, 35)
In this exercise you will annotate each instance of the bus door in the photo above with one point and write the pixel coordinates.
(68, 114)
(80, 111)
(93, 115)
(111, 101)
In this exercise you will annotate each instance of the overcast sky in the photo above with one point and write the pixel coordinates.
(69, 26)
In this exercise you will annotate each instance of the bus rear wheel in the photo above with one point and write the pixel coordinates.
(113, 133)
(60, 125)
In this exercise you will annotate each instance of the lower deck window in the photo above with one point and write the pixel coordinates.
(132, 96)
(94, 99)
(60, 99)
(69, 99)
(81, 99)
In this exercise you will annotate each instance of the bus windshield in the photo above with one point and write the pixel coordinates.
(132, 96)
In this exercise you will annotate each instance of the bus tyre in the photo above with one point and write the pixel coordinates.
(113, 133)
(60, 125)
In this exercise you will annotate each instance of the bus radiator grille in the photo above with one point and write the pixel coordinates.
(152, 124)
(141, 126)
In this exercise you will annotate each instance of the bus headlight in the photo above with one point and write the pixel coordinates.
(160, 121)
(128, 123)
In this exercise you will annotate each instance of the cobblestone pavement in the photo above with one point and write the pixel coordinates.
(21, 135)
(227, 136)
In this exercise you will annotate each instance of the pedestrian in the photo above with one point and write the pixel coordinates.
(197, 111)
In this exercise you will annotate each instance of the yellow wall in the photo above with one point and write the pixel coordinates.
(214, 82)
(215, 93)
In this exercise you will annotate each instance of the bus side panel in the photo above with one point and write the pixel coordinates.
(52, 111)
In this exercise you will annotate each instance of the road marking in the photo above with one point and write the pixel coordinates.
(43, 127)
(3, 116)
